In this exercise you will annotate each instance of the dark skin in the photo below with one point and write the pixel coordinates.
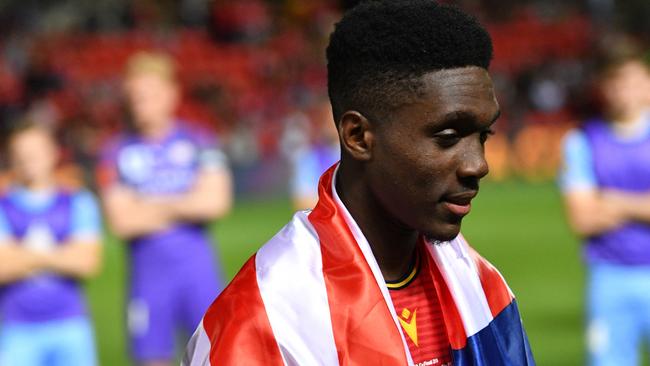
(417, 171)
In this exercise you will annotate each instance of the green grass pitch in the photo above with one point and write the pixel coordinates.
(519, 227)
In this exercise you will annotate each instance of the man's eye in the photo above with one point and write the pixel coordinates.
(447, 137)
(486, 134)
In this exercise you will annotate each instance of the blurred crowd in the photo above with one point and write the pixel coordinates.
(254, 71)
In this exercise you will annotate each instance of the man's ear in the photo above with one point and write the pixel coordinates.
(356, 135)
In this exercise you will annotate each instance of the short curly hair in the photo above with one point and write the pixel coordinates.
(379, 50)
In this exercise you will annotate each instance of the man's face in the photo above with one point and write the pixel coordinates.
(627, 89)
(33, 156)
(427, 160)
(152, 100)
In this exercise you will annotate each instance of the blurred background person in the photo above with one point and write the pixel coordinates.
(50, 240)
(161, 183)
(606, 186)
(319, 150)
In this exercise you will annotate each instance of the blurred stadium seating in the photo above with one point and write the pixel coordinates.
(251, 65)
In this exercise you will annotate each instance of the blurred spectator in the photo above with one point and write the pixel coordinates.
(49, 240)
(311, 158)
(606, 185)
(161, 183)
(241, 21)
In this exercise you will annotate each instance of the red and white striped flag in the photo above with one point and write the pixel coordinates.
(314, 295)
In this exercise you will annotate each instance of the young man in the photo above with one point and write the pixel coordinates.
(161, 185)
(377, 273)
(312, 160)
(49, 240)
(606, 186)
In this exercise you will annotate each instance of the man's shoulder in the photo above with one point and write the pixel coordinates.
(575, 139)
(296, 236)
(483, 266)
(497, 292)
(296, 242)
(282, 279)
(6, 192)
(82, 199)
(291, 251)
(113, 144)
(239, 293)
(195, 132)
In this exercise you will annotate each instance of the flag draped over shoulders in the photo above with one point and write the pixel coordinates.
(314, 295)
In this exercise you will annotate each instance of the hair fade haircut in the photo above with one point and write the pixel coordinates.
(380, 49)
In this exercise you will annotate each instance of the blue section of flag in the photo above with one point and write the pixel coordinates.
(502, 343)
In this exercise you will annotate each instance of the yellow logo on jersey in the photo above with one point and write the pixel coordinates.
(409, 326)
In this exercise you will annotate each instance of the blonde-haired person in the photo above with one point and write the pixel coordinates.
(606, 186)
(50, 240)
(161, 185)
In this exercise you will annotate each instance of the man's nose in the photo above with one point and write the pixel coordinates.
(473, 163)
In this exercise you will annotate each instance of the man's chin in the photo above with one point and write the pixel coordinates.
(446, 232)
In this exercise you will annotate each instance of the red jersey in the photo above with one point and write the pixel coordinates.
(419, 313)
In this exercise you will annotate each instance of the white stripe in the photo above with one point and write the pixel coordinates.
(197, 352)
(487, 263)
(290, 279)
(462, 279)
(372, 262)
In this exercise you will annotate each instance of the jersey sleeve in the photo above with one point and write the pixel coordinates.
(577, 172)
(5, 229)
(86, 222)
(211, 157)
(304, 182)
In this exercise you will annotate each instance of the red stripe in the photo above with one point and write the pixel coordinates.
(364, 330)
(496, 291)
(237, 324)
(453, 321)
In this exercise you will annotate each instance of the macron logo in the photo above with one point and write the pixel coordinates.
(407, 319)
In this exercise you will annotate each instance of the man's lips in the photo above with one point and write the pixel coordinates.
(458, 210)
(459, 203)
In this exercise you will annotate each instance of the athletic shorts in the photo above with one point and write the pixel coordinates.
(618, 307)
(68, 342)
(164, 305)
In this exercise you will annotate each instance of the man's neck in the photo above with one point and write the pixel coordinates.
(631, 124)
(157, 131)
(392, 244)
(37, 186)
